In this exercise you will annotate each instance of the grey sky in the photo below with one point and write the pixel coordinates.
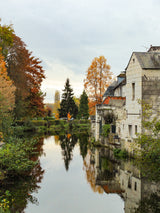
(67, 34)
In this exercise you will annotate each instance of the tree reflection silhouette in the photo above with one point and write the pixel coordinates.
(149, 204)
(67, 143)
(83, 143)
(21, 188)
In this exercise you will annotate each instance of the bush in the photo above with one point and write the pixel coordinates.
(118, 153)
(105, 130)
(39, 122)
(15, 156)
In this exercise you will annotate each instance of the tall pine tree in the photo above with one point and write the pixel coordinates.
(83, 107)
(67, 104)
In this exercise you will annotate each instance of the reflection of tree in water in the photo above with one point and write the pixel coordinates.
(22, 187)
(149, 169)
(149, 205)
(38, 149)
(89, 167)
(56, 139)
(67, 143)
(83, 143)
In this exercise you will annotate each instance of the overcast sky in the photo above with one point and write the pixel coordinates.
(67, 34)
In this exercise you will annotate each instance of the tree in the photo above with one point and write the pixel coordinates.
(6, 38)
(56, 104)
(67, 104)
(7, 96)
(7, 89)
(147, 146)
(83, 107)
(57, 96)
(98, 78)
(27, 74)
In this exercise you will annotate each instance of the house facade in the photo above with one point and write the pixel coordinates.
(139, 82)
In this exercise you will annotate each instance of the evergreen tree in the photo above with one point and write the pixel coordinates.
(83, 107)
(67, 104)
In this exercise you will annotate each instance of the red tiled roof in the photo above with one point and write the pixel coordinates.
(106, 101)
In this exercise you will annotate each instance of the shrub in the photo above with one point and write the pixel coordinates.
(118, 153)
(105, 130)
(15, 156)
(39, 122)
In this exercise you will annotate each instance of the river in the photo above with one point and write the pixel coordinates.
(67, 191)
(72, 177)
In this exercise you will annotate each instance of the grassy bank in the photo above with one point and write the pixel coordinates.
(51, 126)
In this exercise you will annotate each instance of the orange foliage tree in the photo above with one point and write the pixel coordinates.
(69, 116)
(27, 74)
(91, 174)
(7, 89)
(98, 78)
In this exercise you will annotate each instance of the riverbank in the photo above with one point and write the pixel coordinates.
(51, 126)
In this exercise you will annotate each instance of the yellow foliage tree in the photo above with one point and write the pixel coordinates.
(56, 104)
(98, 78)
(7, 90)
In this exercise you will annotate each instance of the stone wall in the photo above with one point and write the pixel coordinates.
(151, 93)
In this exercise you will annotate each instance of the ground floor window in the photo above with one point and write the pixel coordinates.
(135, 129)
(130, 130)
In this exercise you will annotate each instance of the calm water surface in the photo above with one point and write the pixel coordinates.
(68, 186)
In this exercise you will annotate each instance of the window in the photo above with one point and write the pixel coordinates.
(133, 91)
(122, 182)
(120, 92)
(129, 183)
(130, 130)
(135, 129)
(113, 129)
(135, 186)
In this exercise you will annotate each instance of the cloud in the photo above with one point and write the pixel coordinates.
(67, 35)
(58, 73)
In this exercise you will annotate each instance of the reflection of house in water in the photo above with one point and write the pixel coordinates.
(139, 81)
(122, 178)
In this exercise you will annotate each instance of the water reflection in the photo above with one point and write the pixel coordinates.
(21, 188)
(67, 143)
(138, 186)
(139, 193)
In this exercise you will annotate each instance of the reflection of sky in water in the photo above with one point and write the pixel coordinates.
(69, 192)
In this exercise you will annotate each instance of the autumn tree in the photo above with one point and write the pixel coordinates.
(48, 111)
(83, 107)
(27, 74)
(6, 38)
(7, 96)
(25, 71)
(67, 104)
(7, 89)
(56, 96)
(56, 104)
(98, 78)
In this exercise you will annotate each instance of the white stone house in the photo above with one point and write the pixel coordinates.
(139, 81)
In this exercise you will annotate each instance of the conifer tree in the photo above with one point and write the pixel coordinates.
(83, 107)
(67, 104)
